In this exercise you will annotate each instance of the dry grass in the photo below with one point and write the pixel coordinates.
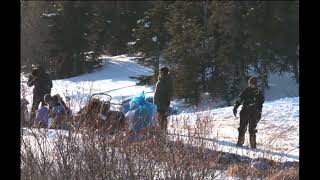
(93, 154)
(288, 174)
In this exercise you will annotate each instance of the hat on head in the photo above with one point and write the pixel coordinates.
(253, 80)
(47, 98)
(35, 71)
(164, 70)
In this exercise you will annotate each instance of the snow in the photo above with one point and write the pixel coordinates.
(154, 39)
(281, 86)
(140, 21)
(114, 75)
(50, 14)
(147, 24)
(278, 130)
(277, 137)
(131, 43)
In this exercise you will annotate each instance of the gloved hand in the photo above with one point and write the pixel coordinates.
(235, 111)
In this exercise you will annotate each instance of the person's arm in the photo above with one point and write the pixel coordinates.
(260, 102)
(31, 81)
(156, 94)
(171, 88)
(50, 82)
(48, 78)
(238, 102)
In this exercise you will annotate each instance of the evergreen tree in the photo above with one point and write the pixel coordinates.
(71, 37)
(186, 51)
(151, 36)
(121, 20)
(34, 28)
(210, 46)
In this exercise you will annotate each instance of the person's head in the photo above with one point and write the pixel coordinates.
(253, 82)
(48, 99)
(41, 69)
(94, 105)
(56, 97)
(164, 71)
(35, 72)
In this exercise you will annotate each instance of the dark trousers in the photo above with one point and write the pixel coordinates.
(162, 119)
(162, 109)
(251, 117)
(35, 104)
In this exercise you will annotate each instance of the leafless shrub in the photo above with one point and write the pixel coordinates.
(92, 153)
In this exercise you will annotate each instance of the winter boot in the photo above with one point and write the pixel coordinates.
(240, 139)
(253, 143)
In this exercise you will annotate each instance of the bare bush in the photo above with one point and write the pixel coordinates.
(88, 153)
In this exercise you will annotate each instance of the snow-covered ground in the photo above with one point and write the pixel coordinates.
(278, 130)
(277, 137)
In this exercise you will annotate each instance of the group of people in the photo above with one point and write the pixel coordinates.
(52, 108)
(251, 98)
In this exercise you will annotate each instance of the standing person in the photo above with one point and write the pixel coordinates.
(252, 100)
(42, 85)
(24, 107)
(163, 95)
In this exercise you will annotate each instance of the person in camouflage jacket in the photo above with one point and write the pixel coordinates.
(252, 100)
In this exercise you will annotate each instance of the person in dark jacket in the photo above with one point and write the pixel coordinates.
(42, 85)
(163, 95)
(252, 100)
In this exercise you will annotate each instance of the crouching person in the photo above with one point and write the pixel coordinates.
(42, 117)
(66, 110)
(52, 114)
(88, 115)
(56, 111)
(252, 100)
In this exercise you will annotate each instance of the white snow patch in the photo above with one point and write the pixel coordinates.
(154, 39)
(50, 14)
(131, 43)
(147, 24)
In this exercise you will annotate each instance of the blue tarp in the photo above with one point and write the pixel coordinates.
(141, 113)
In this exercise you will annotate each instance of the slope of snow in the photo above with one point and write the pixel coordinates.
(277, 137)
(114, 75)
